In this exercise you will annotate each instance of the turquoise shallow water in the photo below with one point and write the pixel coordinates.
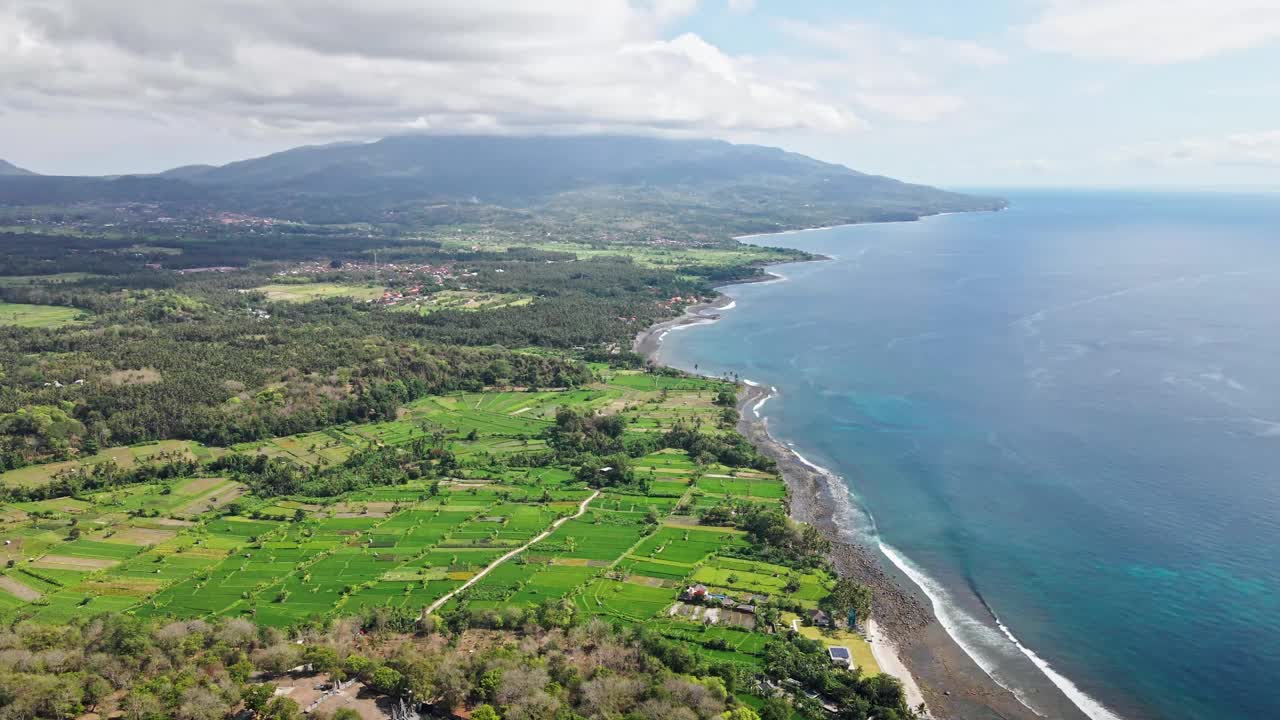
(1065, 416)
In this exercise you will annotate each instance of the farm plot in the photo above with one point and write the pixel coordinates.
(466, 300)
(599, 537)
(668, 460)
(315, 448)
(743, 488)
(686, 546)
(553, 582)
(749, 576)
(501, 583)
(634, 380)
(668, 488)
(635, 504)
(465, 419)
(14, 588)
(624, 600)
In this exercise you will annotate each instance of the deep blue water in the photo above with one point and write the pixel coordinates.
(1066, 414)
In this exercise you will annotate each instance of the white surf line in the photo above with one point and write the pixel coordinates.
(955, 621)
(755, 409)
(969, 632)
(582, 508)
(1088, 705)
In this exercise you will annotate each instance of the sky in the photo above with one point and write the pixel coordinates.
(984, 93)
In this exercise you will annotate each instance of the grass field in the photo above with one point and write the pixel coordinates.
(858, 647)
(39, 316)
(306, 292)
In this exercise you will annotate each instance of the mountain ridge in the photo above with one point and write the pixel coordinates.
(8, 169)
(732, 186)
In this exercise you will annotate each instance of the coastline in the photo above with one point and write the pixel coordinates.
(907, 638)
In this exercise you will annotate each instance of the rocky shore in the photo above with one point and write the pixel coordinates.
(950, 682)
(941, 674)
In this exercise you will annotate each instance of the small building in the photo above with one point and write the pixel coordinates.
(819, 618)
(694, 593)
(840, 656)
(749, 609)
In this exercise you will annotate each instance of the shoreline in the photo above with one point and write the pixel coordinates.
(904, 630)
(864, 222)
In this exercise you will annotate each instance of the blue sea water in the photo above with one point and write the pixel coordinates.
(1065, 416)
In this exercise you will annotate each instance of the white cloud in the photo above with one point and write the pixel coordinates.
(741, 6)
(875, 43)
(1256, 149)
(900, 75)
(1154, 32)
(912, 107)
(330, 68)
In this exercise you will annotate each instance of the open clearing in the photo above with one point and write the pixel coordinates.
(40, 316)
(461, 300)
(306, 292)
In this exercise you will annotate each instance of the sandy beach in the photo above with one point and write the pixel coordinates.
(906, 637)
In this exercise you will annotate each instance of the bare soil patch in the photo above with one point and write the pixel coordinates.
(141, 376)
(202, 485)
(211, 501)
(141, 536)
(18, 590)
(63, 562)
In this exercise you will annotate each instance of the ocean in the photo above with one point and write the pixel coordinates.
(1061, 420)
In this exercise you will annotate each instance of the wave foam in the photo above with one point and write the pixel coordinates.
(755, 409)
(981, 643)
(693, 323)
(1094, 709)
(978, 640)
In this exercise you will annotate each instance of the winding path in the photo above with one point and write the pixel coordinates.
(582, 508)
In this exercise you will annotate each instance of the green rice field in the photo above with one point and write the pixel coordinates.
(205, 546)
